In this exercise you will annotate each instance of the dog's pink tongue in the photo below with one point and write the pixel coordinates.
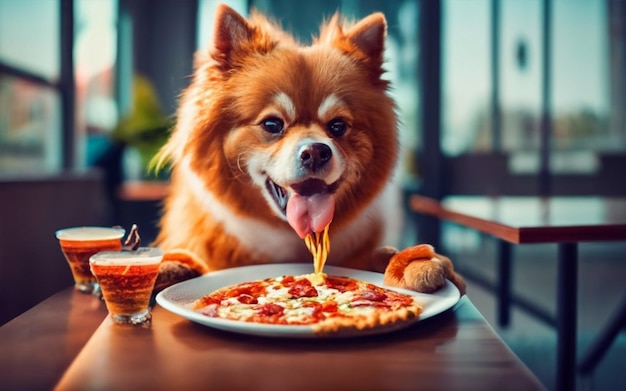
(310, 214)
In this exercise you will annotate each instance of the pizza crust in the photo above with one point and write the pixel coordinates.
(358, 326)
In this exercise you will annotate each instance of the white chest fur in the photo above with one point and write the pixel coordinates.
(281, 244)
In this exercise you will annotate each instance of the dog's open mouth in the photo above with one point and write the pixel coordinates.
(310, 206)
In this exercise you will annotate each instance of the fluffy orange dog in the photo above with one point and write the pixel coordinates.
(276, 140)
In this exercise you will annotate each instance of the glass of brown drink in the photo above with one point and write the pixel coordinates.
(126, 280)
(80, 243)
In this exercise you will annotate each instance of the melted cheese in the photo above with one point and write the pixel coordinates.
(318, 244)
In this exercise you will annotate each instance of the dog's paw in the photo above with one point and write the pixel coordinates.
(177, 266)
(421, 269)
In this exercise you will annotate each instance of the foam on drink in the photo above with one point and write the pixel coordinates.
(90, 233)
(142, 256)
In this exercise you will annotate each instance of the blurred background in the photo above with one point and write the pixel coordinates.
(496, 97)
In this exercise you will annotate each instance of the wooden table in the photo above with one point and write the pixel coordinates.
(64, 343)
(566, 221)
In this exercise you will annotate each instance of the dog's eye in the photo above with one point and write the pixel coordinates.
(337, 127)
(273, 125)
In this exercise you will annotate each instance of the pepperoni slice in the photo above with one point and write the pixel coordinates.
(247, 299)
(330, 307)
(302, 288)
(270, 309)
(254, 289)
(288, 281)
(372, 296)
(342, 284)
(368, 303)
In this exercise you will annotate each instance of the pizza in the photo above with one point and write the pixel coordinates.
(328, 304)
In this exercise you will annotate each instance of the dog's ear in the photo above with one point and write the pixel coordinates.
(234, 37)
(368, 35)
(231, 32)
(364, 41)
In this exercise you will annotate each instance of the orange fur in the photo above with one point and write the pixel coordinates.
(421, 269)
(221, 150)
(186, 258)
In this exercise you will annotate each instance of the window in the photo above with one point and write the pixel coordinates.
(31, 134)
(525, 76)
(30, 110)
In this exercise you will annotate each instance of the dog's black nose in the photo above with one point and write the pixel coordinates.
(315, 156)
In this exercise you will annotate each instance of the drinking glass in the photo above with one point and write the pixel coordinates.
(126, 281)
(80, 243)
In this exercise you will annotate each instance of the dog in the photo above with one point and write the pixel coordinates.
(275, 140)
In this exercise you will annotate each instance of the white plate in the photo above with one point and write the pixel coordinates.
(179, 298)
